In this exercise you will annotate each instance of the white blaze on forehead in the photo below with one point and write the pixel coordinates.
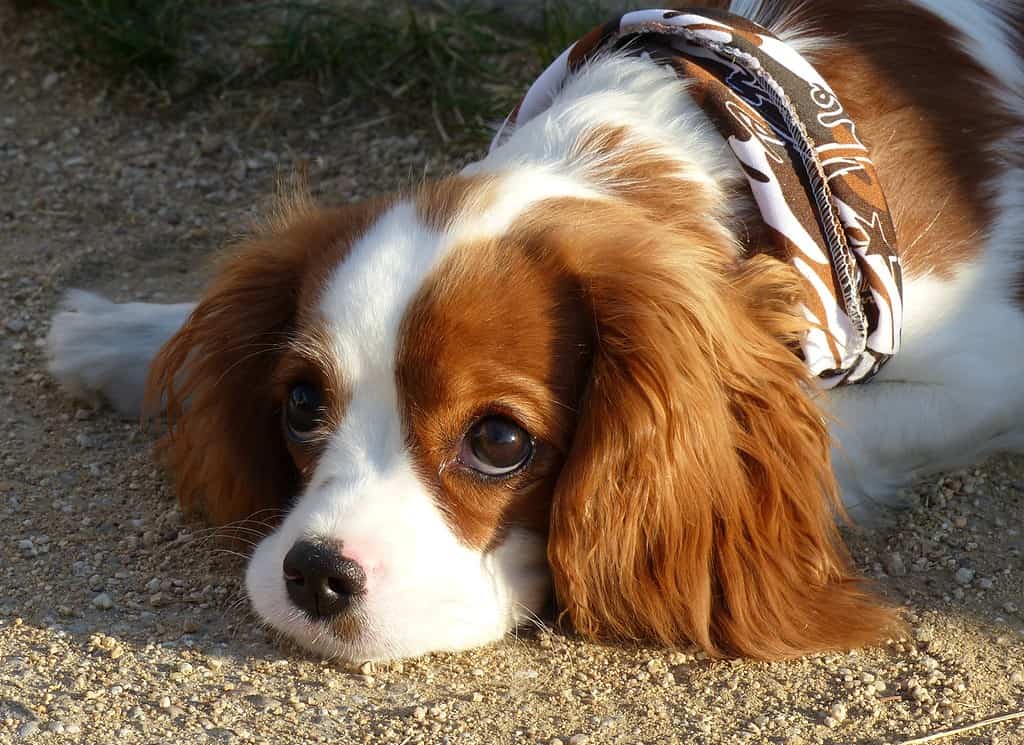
(366, 297)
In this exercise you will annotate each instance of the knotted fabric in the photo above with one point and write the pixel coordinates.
(811, 175)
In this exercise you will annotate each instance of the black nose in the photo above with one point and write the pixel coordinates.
(320, 580)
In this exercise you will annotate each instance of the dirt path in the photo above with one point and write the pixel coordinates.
(120, 624)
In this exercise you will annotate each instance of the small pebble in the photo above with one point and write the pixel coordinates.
(266, 703)
(895, 565)
(103, 601)
(210, 144)
(964, 576)
(28, 729)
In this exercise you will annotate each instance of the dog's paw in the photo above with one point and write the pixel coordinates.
(100, 351)
(872, 496)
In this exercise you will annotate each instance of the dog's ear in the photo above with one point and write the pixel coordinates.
(214, 377)
(697, 502)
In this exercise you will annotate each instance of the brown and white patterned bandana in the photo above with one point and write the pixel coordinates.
(811, 175)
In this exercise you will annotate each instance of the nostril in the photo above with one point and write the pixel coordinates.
(292, 566)
(321, 581)
(348, 578)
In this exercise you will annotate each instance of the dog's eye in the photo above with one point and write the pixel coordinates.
(496, 446)
(303, 412)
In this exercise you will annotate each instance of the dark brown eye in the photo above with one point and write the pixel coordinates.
(303, 412)
(496, 446)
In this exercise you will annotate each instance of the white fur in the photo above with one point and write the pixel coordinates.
(649, 100)
(101, 350)
(796, 35)
(955, 392)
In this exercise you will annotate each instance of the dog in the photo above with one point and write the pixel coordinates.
(613, 371)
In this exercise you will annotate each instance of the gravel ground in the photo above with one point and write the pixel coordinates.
(119, 622)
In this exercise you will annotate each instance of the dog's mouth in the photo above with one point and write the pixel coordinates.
(345, 638)
(348, 628)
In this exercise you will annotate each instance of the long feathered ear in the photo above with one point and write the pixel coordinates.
(697, 502)
(214, 377)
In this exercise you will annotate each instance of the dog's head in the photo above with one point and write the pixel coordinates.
(503, 389)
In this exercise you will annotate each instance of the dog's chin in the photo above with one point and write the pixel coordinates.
(351, 638)
(348, 641)
(353, 645)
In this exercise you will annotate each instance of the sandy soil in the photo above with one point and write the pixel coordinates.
(118, 622)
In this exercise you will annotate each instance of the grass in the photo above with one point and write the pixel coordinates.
(123, 35)
(563, 22)
(447, 65)
(458, 65)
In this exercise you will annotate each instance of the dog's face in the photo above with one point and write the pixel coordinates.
(504, 389)
(426, 400)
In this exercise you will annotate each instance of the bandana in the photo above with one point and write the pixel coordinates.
(810, 174)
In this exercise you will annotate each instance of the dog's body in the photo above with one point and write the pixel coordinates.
(611, 305)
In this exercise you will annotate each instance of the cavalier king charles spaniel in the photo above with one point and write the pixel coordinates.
(724, 275)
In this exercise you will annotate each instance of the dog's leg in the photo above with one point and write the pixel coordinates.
(888, 434)
(99, 350)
